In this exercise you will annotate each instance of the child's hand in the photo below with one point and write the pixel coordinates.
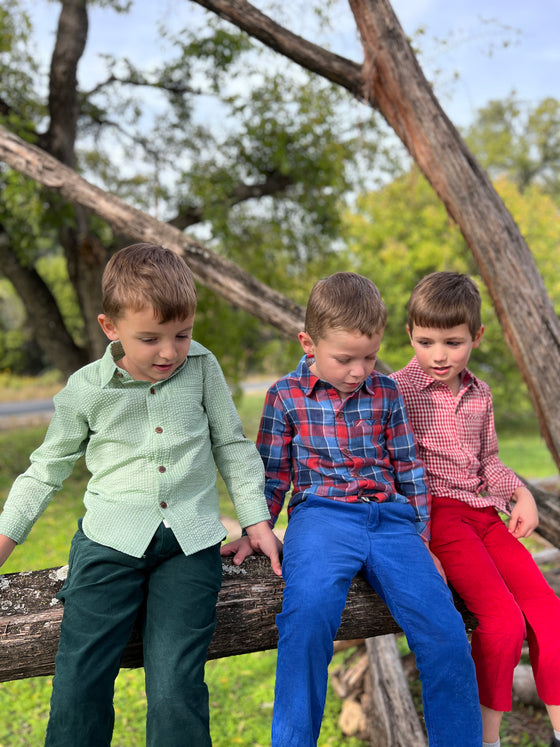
(239, 548)
(524, 516)
(264, 540)
(260, 538)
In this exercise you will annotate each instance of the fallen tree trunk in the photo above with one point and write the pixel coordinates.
(249, 600)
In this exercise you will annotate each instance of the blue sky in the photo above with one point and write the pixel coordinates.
(529, 65)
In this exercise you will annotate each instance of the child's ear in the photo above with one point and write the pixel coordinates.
(108, 327)
(306, 343)
(409, 333)
(478, 336)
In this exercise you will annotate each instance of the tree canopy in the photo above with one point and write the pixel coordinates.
(260, 177)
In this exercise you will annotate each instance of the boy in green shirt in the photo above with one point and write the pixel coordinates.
(153, 418)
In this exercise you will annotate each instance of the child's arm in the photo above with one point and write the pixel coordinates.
(524, 517)
(6, 547)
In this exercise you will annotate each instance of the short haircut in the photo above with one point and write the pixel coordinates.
(144, 275)
(344, 301)
(445, 300)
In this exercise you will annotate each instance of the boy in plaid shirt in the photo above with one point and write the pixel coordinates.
(451, 414)
(336, 432)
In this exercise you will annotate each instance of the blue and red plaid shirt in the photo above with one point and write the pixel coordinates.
(352, 449)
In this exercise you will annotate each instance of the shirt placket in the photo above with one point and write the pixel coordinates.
(161, 457)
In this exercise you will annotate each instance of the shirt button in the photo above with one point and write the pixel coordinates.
(159, 429)
(163, 504)
(161, 469)
(152, 390)
(119, 374)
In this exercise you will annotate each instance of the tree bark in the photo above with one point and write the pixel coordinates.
(250, 599)
(393, 83)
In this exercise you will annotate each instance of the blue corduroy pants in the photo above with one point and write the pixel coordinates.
(326, 544)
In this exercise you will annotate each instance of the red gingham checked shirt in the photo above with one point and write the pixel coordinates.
(456, 438)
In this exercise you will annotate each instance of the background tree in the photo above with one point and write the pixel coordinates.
(401, 232)
(260, 179)
(521, 141)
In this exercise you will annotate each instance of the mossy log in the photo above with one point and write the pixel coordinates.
(250, 598)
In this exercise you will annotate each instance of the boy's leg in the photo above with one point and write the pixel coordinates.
(179, 620)
(324, 548)
(402, 571)
(101, 597)
(459, 537)
(538, 603)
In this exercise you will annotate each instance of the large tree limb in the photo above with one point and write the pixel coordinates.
(392, 82)
(245, 16)
(249, 600)
(217, 273)
(63, 86)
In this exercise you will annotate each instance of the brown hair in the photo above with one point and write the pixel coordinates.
(344, 301)
(445, 300)
(143, 275)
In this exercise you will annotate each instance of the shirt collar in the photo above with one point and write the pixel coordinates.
(420, 380)
(309, 382)
(109, 368)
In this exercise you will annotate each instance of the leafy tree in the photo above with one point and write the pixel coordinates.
(520, 141)
(261, 180)
(400, 233)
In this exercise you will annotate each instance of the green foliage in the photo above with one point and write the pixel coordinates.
(54, 271)
(402, 232)
(520, 142)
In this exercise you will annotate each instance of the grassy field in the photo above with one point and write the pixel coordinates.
(241, 688)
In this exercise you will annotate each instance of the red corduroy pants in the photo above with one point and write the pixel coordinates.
(503, 587)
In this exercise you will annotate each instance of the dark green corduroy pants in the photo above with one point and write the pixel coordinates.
(174, 596)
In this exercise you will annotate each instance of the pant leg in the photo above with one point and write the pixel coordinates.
(321, 557)
(538, 603)
(179, 621)
(459, 534)
(101, 597)
(401, 570)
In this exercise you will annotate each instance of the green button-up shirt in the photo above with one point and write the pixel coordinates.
(152, 451)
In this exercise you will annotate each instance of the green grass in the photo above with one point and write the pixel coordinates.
(242, 687)
(527, 454)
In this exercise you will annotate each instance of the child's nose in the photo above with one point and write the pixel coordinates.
(359, 371)
(168, 351)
